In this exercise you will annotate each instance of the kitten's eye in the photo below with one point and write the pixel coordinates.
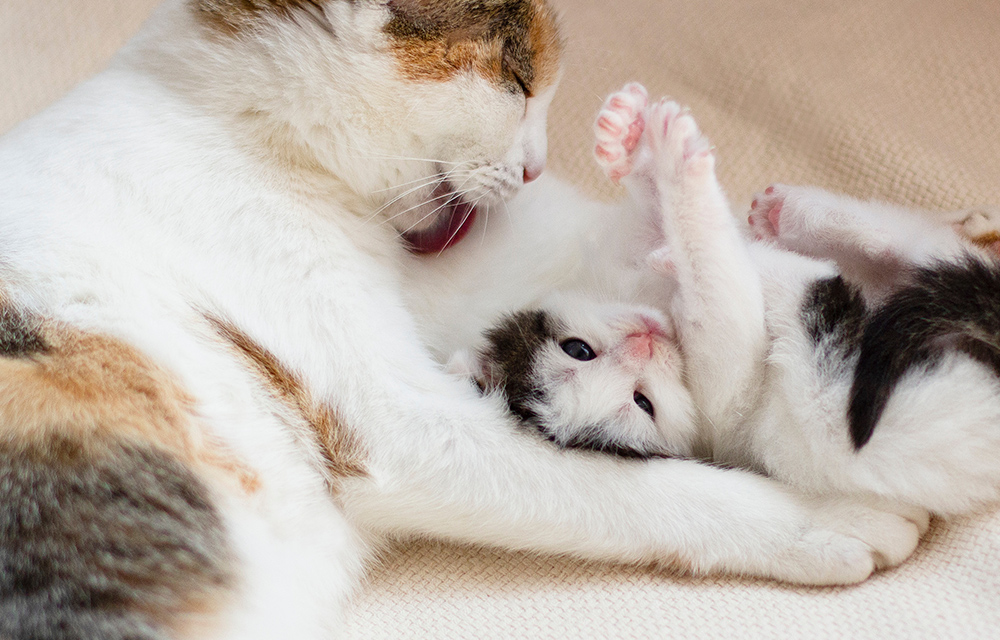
(643, 403)
(578, 349)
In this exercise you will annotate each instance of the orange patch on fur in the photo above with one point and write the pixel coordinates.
(57, 381)
(233, 16)
(987, 240)
(507, 42)
(342, 453)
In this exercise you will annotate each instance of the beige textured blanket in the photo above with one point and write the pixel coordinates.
(890, 98)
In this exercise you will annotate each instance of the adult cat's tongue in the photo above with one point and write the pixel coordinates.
(453, 223)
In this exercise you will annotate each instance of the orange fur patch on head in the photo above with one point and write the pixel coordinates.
(233, 16)
(513, 43)
(341, 450)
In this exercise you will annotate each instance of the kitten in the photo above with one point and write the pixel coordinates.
(878, 375)
(219, 270)
(590, 376)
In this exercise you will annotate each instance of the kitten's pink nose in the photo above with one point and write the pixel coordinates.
(532, 171)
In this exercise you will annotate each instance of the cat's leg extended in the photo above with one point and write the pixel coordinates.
(441, 460)
(874, 244)
(718, 308)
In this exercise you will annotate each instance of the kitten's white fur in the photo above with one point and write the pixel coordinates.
(766, 399)
(240, 178)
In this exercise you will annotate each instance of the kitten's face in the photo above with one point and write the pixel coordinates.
(594, 376)
(430, 110)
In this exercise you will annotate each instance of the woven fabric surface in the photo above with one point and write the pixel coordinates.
(895, 99)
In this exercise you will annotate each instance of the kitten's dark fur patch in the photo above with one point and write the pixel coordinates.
(947, 307)
(834, 313)
(511, 350)
(111, 542)
(594, 438)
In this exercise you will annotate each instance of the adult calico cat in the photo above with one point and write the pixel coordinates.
(215, 399)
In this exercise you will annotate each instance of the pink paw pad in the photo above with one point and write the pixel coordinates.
(765, 214)
(618, 129)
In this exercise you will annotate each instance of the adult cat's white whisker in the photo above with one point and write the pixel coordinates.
(361, 153)
(427, 179)
(396, 199)
(450, 195)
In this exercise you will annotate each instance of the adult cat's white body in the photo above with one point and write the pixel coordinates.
(212, 204)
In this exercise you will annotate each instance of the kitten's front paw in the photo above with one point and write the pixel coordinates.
(618, 129)
(679, 150)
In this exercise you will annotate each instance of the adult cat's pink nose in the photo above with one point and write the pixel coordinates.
(532, 171)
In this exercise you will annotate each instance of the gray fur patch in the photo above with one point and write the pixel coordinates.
(108, 545)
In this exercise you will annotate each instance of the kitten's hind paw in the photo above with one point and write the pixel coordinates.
(980, 225)
(618, 129)
(765, 214)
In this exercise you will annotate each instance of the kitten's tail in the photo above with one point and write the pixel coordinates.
(948, 307)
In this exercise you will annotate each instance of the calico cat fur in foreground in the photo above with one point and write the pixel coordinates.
(217, 393)
(864, 338)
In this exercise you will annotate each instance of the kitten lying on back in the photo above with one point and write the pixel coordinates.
(856, 349)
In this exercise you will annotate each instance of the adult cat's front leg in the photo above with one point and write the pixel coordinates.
(442, 461)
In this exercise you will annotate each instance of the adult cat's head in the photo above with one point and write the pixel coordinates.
(421, 108)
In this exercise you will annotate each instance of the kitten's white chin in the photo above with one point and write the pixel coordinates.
(448, 227)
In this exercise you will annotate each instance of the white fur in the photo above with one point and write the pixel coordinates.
(254, 179)
(766, 399)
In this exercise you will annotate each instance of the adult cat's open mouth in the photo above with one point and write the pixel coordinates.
(452, 220)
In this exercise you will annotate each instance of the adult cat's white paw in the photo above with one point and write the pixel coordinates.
(849, 539)
(618, 129)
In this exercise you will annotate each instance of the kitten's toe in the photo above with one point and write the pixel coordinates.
(765, 213)
(618, 130)
(980, 225)
(679, 148)
(660, 261)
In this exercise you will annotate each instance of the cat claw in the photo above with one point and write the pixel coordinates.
(618, 129)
